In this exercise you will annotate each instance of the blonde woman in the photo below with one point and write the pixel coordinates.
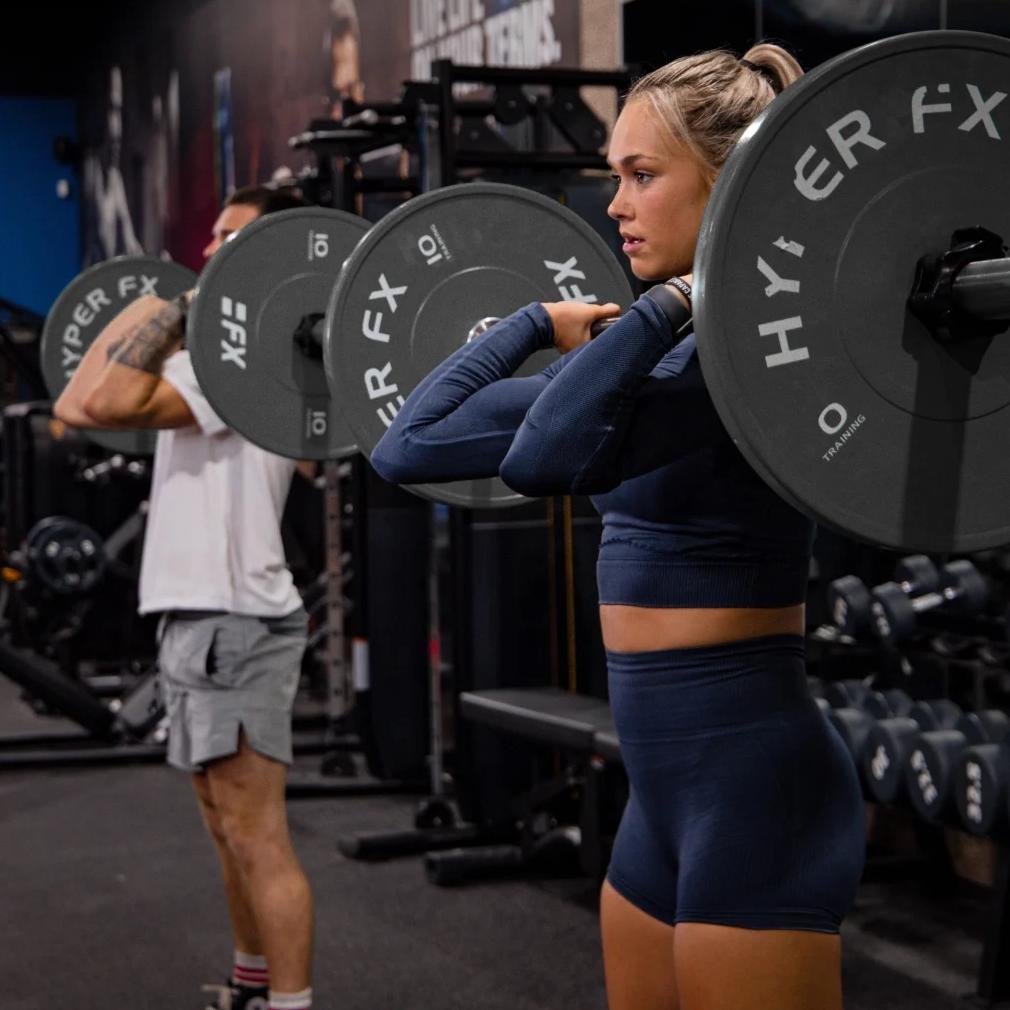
(743, 841)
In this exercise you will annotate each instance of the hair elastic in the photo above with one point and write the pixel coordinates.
(765, 72)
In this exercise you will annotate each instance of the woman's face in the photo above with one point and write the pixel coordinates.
(661, 195)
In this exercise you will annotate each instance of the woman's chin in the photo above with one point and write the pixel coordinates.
(646, 270)
(642, 271)
(653, 276)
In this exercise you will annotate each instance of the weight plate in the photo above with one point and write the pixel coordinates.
(65, 555)
(251, 297)
(427, 274)
(84, 307)
(838, 397)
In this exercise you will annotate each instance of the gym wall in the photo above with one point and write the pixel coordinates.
(39, 204)
(814, 30)
(182, 106)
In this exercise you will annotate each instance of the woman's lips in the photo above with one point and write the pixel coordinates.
(632, 245)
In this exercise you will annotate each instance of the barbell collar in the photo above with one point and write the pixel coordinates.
(954, 307)
(309, 335)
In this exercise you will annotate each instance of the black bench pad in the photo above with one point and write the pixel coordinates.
(607, 746)
(545, 714)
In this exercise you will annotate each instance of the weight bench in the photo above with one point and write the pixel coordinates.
(578, 725)
(606, 746)
(545, 715)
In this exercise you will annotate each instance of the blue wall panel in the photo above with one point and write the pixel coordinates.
(39, 231)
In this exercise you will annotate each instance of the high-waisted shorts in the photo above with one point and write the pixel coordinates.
(745, 808)
(223, 673)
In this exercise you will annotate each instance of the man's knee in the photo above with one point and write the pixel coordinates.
(208, 808)
(252, 824)
(248, 803)
(254, 841)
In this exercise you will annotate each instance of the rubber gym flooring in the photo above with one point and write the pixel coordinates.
(109, 897)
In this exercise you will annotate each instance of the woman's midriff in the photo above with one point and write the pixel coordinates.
(645, 629)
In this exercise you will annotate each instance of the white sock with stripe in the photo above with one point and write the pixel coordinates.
(250, 970)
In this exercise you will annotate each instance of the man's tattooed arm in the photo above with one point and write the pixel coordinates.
(147, 345)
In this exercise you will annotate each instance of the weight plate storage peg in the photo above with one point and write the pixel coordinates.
(430, 277)
(255, 330)
(837, 394)
(83, 309)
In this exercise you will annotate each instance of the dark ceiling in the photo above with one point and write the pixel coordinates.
(47, 48)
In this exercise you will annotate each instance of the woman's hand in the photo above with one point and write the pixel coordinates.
(572, 321)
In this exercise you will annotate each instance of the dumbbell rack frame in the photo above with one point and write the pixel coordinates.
(994, 972)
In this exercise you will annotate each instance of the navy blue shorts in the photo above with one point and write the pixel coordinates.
(745, 808)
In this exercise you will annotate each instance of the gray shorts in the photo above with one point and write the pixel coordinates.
(221, 673)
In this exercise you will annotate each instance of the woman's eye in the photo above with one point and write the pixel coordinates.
(639, 177)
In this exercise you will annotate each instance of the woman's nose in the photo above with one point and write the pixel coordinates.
(616, 209)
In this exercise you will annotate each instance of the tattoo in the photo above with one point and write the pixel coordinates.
(147, 346)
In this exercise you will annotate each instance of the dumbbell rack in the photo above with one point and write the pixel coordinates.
(993, 979)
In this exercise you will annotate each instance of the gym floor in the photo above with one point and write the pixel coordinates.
(111, 897)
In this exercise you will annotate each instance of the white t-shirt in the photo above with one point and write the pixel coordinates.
(213, 538)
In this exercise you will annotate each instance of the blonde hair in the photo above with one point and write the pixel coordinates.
(706, 101)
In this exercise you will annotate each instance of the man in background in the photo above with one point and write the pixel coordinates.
(233, 628)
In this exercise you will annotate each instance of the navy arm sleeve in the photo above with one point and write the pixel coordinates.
(612, 414)
(459, 421)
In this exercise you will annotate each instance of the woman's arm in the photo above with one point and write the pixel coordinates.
(459, 422)
(607, 417)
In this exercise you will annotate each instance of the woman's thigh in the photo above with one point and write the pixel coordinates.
(717, 967)
(698, 966)
(638, 956)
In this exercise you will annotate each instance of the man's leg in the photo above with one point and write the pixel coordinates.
(247, 793)
(243, 922)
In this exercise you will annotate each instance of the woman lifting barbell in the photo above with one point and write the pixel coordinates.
(742, 842)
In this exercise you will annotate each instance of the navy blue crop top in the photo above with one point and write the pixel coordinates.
(628, 420)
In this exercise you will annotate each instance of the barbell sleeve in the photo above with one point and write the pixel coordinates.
(982, 289)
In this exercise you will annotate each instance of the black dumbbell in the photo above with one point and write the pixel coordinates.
(854, 693)
(891, 740)
(931, 767)
(962, 590)
(853, 726)
(939, 713)
(850, 605)
(887, 704)
(917, 575)
(849, 693)
(982, 787)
